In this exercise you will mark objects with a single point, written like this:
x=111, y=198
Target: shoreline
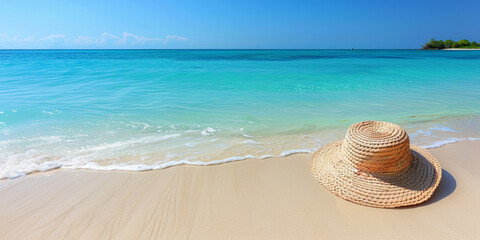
x=132, y=168
x=427, y=134
x=275, y=198
x=460, y=49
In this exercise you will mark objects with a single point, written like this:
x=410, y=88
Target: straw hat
x=375, y=165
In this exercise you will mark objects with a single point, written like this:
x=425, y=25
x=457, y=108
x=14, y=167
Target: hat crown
x=377, y=147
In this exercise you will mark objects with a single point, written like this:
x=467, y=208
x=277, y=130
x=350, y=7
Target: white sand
x=461, y=49
x=254, y=199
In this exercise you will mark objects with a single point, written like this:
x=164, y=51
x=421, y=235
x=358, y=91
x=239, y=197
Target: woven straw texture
x=375, y=165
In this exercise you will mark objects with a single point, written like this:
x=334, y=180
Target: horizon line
x=2, y=49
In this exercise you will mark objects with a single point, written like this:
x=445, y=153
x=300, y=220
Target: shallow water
x=149, y=109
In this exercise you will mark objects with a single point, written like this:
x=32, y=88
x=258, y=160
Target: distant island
x=450, y=44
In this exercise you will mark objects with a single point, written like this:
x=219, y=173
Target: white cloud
x=53, y=37
x=107, y=36
x=134, y=39
x=126, y=36
x=3, y=37
x=170, y=38
x=29, y=39
x=126, y=40
x=86, y=40
x=7, y=38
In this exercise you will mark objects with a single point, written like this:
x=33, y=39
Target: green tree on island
x=434, y=44
x=450, y=44
x=440, y=44
x=463, y=43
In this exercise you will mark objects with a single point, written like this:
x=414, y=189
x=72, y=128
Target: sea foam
x=448, y=141
x=32, y=167
x=28, y=165
x=158, y=165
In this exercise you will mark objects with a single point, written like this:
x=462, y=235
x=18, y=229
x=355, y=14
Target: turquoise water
x=149, y=109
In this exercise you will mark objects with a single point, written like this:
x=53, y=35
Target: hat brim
x=411, y=186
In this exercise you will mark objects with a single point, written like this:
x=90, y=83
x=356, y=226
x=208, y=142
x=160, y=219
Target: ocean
x=138, y=110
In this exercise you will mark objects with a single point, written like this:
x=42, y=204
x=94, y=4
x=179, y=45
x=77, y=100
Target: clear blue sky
x=234, y=24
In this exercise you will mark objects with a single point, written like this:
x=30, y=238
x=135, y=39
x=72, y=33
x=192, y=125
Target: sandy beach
x=460, y=49
x=274, y=198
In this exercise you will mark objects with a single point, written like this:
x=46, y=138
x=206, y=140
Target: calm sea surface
x=150, y=109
